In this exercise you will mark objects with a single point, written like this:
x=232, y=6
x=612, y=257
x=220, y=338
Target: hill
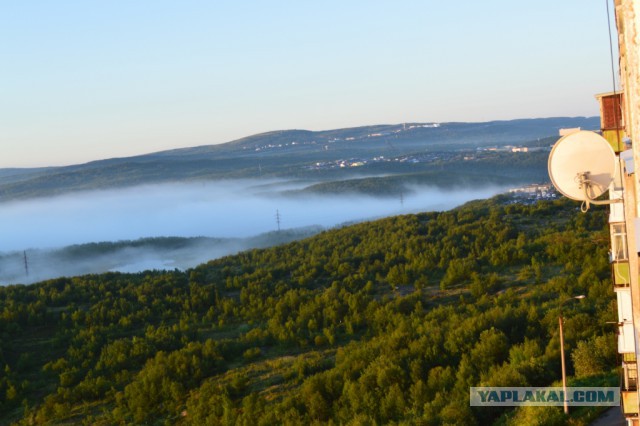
x=377, y=323
x=132, y=256
x=299, y=154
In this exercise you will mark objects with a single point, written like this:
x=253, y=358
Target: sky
x=86, y=80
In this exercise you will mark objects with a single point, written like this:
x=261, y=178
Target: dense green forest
x=386, y=322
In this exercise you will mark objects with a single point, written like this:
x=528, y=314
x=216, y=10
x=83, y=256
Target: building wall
x=628, y=25
x=628, y=22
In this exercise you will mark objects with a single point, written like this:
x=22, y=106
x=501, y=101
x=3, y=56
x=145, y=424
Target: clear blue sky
x=85, y=80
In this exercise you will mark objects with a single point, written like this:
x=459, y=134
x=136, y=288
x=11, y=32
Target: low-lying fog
x=223, y=209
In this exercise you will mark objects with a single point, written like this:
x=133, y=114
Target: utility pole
x=564, y=370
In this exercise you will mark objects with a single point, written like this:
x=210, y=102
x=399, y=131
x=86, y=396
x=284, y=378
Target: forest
x=384, y=322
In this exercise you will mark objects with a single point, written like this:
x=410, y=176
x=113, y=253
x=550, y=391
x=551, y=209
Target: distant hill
x=132, y=256
x=288, y=154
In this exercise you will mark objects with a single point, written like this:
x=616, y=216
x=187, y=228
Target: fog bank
x=223, y=209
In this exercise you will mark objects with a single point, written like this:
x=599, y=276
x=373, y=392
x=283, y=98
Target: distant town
x=401, y=128
x=358, y=162
x=530, y=194
x=424, y=157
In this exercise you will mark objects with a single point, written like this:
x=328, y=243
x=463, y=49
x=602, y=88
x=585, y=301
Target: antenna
x=582, y=166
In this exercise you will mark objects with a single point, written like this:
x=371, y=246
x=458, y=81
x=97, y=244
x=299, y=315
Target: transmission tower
x=278, y=219
x=26, y=263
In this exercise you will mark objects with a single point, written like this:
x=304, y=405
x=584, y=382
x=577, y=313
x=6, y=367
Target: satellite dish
x=582, y=165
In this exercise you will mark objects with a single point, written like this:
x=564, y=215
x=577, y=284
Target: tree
x=594, y=356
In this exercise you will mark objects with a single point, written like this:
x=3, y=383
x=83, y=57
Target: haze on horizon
x=90, y=80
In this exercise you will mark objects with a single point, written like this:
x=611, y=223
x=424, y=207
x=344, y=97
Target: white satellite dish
x=582, y=165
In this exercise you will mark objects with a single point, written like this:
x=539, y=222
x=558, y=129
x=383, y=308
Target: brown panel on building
x=611, y=114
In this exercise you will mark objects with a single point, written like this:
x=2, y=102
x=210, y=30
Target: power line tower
x=26, y=263
x=278, y=219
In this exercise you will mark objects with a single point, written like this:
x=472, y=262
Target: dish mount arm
x=585, y=183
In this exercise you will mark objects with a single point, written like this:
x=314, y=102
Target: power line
x=613, y=72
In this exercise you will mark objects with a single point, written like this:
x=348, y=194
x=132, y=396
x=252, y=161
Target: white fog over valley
x=230, y=210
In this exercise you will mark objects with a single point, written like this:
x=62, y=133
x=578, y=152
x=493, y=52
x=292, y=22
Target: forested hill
x=387, y=322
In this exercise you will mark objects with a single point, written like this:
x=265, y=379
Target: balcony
x=629, y=380
x=620, y=275
x=629, y=401
x=619, y=250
